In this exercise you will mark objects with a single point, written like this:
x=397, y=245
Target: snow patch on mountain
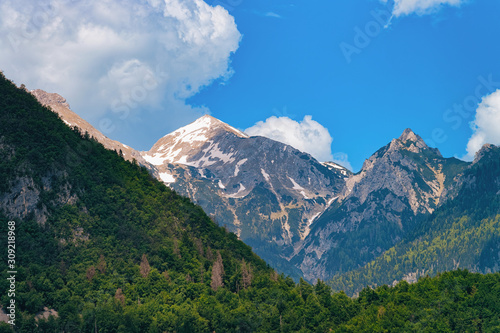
x=166, y=177
x=180, y=145
x=266, y=175
x=237, y=167
x=295, y=185
x=238, y=194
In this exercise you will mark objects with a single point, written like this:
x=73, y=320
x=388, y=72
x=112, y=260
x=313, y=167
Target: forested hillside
x=111, y=249
x=463, y=233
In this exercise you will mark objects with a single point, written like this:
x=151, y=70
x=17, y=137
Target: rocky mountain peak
x=485, y=149
x=50, y=99
x=181, y=144
x=207, y=125
x=409, y=135
x=59, y=105
x=408, y=141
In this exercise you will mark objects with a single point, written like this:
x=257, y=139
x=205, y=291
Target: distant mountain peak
x=59, y=105
x=206, y=124
x=409, y=135
x=50, y=99
x=337, y=168
x=180, y=145
x=411, y=142
x=484, y=151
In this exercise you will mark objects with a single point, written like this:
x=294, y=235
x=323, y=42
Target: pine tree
x=145, y=268
x=246, y=274
x=90, y=273
x=119, y=296
x=101, y=265
x=217, y=273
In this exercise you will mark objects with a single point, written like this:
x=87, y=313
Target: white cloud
x=420, y=7
x=486, y=125
x=118, y=58
x=307, y=135
x=272, y=14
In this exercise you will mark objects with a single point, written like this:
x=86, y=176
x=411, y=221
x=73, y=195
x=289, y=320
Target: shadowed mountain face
x=397, y=186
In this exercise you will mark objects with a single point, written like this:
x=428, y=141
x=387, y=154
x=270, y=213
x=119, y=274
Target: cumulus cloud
x=486, y=125
x=420, y=7
x=307, y=135
x=118, y=58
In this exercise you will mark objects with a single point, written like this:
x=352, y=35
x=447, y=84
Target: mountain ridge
x=463, y=232
x=295, y=221
x=397, y=186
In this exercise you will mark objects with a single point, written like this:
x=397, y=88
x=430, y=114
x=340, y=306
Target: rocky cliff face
x=397, y=185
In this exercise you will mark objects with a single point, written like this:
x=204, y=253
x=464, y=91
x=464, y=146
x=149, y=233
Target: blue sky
x=409, y=75
x=429, y=69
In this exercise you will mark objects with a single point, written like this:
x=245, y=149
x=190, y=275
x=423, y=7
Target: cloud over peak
x=486, y=125
x=307, y=135
x=114, y=57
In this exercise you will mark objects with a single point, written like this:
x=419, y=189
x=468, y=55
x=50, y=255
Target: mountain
x=102, y=246
x=97, y=236
x=463, y=232
x=397, y=186
x=265, y=191
x=305, y=218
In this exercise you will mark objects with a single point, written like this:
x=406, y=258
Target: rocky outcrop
x=23, y=195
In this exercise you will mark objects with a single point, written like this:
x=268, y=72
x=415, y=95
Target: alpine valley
x=103, y=238
x=318, y=220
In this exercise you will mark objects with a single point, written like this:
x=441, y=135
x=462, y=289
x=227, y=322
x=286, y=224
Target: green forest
x=111, y=249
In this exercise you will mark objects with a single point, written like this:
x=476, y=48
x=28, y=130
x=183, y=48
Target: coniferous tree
x=246, y=274
x=119, y=296
x=145, y=268
x=90, y=273
x=101, y=265
x=217, y=273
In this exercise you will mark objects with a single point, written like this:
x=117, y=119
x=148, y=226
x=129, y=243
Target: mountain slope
x=59, y=105
x=94, y=216
x=398, y=185
x=464, y=232
x=267, y=192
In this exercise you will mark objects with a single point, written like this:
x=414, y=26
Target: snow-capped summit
x=265, y=191
x=180, y=145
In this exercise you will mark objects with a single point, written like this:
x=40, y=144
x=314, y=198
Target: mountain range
x=304, y=217
x=101, y=245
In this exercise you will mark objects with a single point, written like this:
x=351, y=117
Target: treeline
x=457, y=301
